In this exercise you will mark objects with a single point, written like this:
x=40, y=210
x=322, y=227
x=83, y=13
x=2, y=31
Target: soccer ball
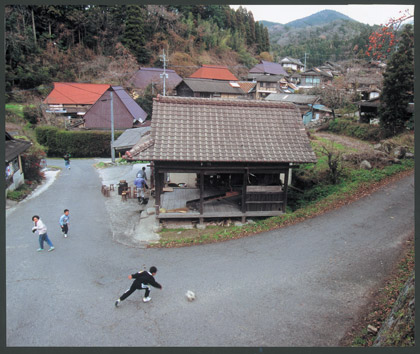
x=190, y=295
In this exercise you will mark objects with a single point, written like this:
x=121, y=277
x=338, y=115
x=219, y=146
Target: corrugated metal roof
x=220, y=130
x=130, y=137
x=216, y=86
x=294, y=98
x=214, y=72
x=145, y=76
x=14, y=147
x=135, y=110
x=75, y=93
x=267, y=67
x=320, y=107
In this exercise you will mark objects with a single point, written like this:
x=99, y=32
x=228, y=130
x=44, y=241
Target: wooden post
x=201, y=192
x=158, y=189
x=152, y=175
x=286, y=183
x=245, y=182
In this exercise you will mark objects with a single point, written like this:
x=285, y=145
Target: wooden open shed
x=241, y=151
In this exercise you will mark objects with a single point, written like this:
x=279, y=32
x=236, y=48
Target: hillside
x=101, y=44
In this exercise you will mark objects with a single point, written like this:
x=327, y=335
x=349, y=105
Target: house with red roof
x=214, y=72
x=73, y=99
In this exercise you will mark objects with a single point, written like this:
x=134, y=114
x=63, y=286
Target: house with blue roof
x=270, y=78
x=126, y=112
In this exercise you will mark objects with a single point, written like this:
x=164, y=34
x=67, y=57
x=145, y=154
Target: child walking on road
x=67, y=160
x=40, y=227
x=142, y=280
x=64, y=222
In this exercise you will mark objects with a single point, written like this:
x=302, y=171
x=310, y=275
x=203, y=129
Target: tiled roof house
x=315, y=77
x=191, y=87
x=224, y=137
x=294, y=64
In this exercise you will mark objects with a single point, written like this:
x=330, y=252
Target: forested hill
x=326, y=35
x=106, y=43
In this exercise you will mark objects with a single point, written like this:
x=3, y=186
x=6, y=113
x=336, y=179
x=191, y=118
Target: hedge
x=357, y=130
x=77, y=143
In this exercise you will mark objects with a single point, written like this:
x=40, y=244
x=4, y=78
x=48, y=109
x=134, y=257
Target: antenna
x=164, y=75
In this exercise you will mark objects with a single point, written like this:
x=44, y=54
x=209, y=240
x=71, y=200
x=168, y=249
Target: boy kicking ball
x=142, y=281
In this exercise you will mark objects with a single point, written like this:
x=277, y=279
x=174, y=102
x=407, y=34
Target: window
x=15, y=165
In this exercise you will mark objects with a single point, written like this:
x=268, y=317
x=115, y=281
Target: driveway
x=298, y=286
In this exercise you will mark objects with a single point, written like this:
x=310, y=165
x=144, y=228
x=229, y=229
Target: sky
x=368, y=14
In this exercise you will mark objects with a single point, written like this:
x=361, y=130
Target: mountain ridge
x=319, y=18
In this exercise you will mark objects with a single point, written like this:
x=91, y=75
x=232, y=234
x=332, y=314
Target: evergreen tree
x=133, y=37
x=398, y=85
x=266, y=40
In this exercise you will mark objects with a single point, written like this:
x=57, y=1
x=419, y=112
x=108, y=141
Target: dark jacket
x=144, y=277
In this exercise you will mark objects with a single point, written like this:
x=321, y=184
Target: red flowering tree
x=384, y=39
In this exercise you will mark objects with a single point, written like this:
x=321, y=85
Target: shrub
x=76, y=143
x=31, y=114
x=357, y=130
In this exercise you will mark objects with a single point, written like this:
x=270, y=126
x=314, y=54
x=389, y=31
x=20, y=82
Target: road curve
x=297, y=286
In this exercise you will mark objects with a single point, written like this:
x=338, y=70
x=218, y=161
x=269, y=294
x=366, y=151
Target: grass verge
x=378, y=310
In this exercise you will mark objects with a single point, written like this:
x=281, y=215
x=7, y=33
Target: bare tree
x=334, y=160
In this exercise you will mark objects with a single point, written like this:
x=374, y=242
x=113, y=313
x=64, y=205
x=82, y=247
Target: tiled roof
x=145, y=76
x=316, y=71
x=221, y=130
x=267, y=67
x=247, y=86
x=143, y=150
x=217, y=86
x=265, y=78
x=75, y=93
x=291, y=60
x=215, y=72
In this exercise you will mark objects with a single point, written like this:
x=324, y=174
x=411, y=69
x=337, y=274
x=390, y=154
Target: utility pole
x=164, y=75
x=304, y=68
x=112, y=129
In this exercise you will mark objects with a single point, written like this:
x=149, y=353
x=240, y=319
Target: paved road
x=298, y=286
